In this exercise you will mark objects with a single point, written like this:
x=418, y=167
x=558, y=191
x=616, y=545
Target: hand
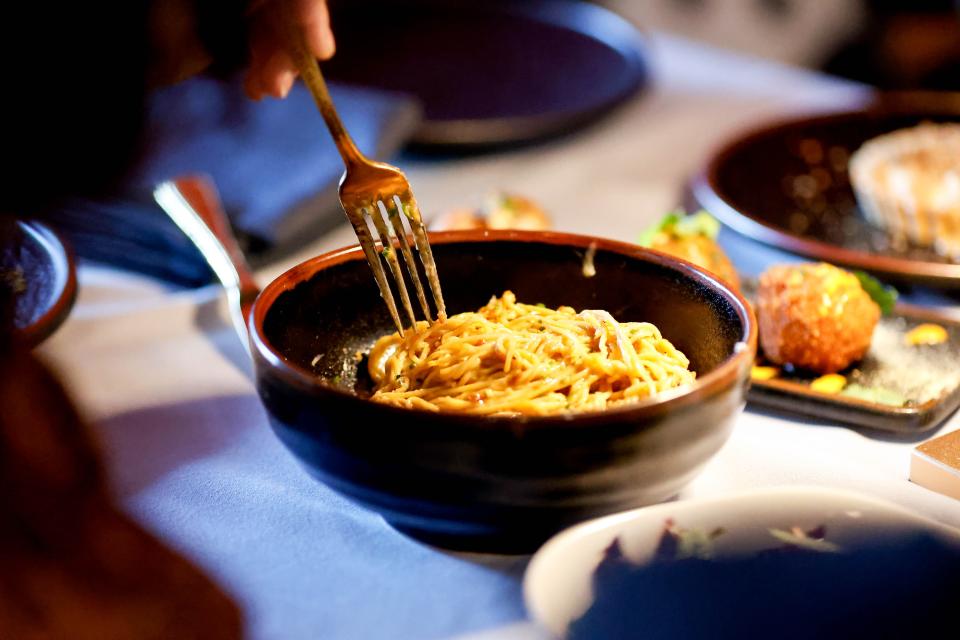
x=178, y=50
x=271, y=70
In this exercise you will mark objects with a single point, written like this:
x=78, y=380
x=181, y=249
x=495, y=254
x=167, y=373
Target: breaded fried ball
x=500, y=211
x=814, y=316
x=702, y=251
x=693, y=238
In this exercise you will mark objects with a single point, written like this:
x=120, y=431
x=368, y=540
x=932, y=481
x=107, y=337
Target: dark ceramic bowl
x=498, y=484
x=37, y=278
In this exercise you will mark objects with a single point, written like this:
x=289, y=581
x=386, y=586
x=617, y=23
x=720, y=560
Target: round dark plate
x=39, y=273
x=786, y=185
x=491, y=73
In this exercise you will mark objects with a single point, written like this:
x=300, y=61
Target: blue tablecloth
x=301, y=561
x=166, y=386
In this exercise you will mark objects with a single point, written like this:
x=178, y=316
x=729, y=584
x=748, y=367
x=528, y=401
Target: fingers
x=314, y=18
x=271, y=70
x=278, y=75
x=260, y=53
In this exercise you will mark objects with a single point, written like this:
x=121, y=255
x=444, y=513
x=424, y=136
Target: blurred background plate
x=38, y=274
x=785, y=184
x=493, y=72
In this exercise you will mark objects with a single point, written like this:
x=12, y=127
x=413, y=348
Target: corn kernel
x=763, y=373
x=830, y=383
x=926, y=334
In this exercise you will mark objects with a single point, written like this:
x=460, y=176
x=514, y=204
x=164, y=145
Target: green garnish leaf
x=679, y=224
x=876, y=395
x=695, y=543
x=802, y=540
x=666, y=223
x=385, y=252
x=699, y=224
x=884, y=295
x=14, y=280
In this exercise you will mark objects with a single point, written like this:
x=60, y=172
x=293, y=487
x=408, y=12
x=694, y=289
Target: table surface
x=166, y=385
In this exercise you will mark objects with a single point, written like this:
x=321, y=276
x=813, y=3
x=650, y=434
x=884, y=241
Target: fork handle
x=309, y=69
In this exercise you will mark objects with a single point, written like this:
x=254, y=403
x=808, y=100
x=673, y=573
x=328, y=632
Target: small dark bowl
x=499, y=484
x=37, y=279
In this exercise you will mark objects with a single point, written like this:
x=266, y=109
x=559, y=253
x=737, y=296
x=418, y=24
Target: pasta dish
x=510, y=358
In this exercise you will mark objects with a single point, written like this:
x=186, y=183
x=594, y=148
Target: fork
x=377, y=192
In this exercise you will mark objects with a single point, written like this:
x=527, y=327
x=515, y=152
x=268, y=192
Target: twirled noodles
x=510, y=358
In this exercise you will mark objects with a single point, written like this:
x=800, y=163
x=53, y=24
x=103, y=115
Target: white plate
x=558, y=582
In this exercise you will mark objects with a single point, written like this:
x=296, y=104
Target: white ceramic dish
x=558, y=585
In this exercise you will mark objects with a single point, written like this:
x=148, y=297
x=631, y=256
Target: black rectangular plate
x=928, y=377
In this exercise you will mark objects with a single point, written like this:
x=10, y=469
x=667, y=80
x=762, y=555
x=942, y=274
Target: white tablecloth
x=166, y=385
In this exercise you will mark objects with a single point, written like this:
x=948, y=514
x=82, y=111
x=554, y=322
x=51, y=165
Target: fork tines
x=387, y=215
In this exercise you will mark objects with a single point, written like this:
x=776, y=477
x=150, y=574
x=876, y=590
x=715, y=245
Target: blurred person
x=904, y=45
x=77, y=77
x=891, y=44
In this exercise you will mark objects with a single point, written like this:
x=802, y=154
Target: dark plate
x=39, y=273
x=785, y=184
x=492, y=72
x=488, y=483
x=900, y=388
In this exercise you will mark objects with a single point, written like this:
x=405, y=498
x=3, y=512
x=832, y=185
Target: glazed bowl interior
x=326, y=315
x=498, y=483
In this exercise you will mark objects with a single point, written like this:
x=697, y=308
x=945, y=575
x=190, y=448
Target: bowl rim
x=60, y=257
x=736, y=365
